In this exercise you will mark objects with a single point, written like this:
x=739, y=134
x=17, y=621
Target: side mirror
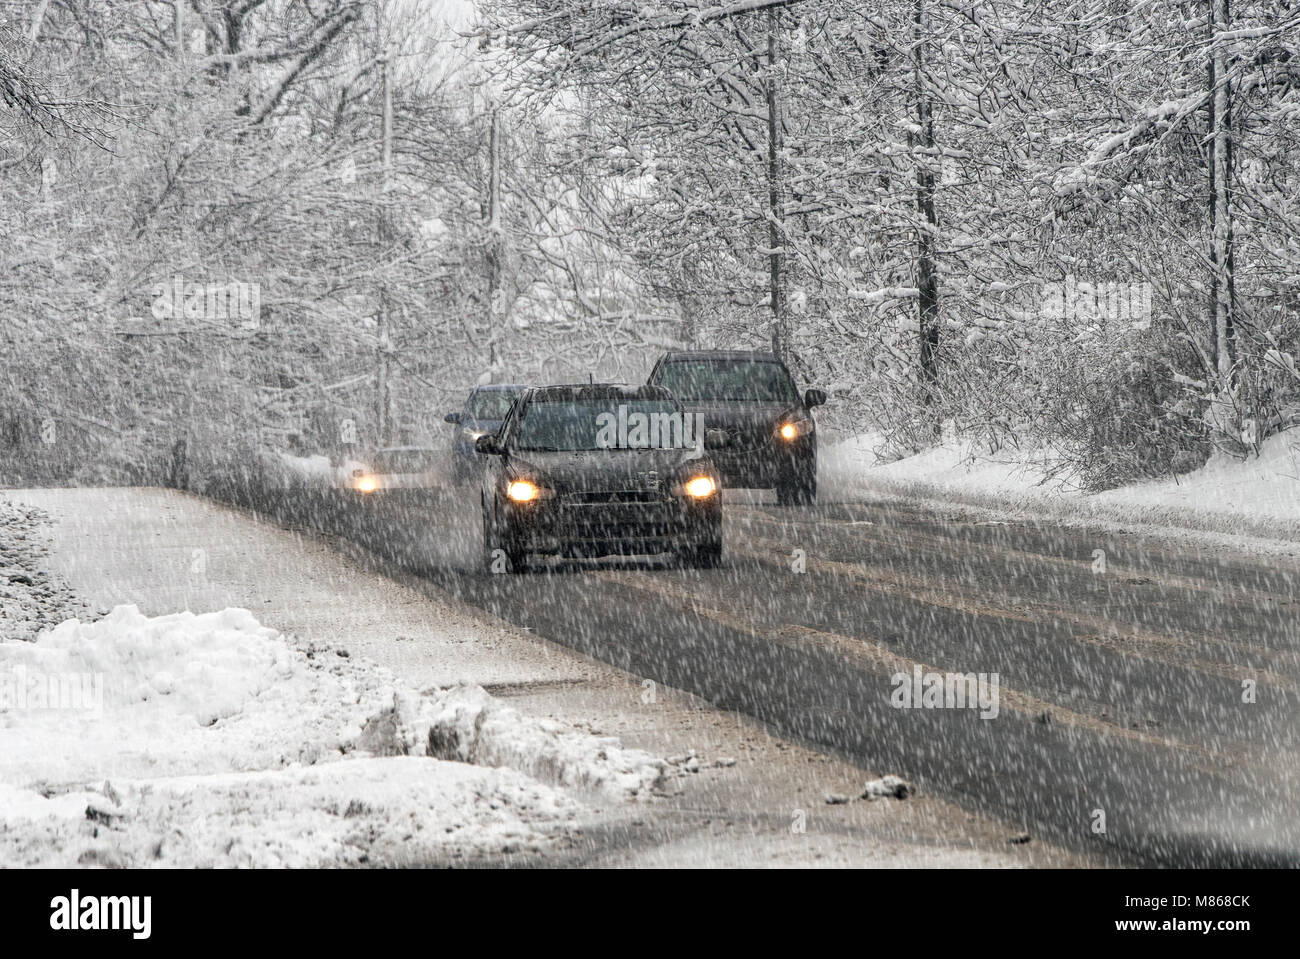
x=489, y=444
x=716, y=439
x=452, y=418
x=814, y=398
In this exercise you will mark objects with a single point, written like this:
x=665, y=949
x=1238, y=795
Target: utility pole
x=385, y=333
x=495, y=249
x=775, y=213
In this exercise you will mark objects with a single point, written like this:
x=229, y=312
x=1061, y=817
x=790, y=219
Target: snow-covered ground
x=30, y=599
x=1258, y=496
x=210, y=740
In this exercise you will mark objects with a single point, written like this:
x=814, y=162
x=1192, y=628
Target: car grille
x=744, y=441
x=612, y=497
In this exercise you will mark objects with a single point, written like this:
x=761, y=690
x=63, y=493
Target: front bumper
x=613, y=524
x=765, y=462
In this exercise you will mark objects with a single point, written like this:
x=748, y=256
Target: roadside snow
x=1259, y=496
x=1267, y=486
x=30, y=600
x=855, y=463
x=467, y=724
x=190, y=740
x=385, y=812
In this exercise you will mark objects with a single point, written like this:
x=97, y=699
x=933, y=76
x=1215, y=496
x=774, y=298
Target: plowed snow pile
x=210, y=740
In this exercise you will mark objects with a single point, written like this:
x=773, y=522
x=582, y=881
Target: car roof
x=761, y=355
x=598, y=391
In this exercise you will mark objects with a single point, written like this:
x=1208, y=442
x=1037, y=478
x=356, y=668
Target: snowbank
x=1267, y=486
x=855, y=463
x=468, y=725
x=212, y=740
x=1259, y=496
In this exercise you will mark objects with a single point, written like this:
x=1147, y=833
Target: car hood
x=615, y=469
x=740, y=417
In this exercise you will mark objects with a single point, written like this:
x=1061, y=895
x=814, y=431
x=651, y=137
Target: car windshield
x=490, y=404
x=728, y=380
x=606, y=423
x=404, y=461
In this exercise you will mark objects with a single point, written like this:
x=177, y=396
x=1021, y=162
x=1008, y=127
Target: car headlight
x=522, y=491
x=367, y=484
x=700, y=487
x=793, y=429
x=473, y=435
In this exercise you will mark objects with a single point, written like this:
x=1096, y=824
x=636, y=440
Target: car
x=752, y=397
x=398, y=467
x=596, y=470
x=484, y=410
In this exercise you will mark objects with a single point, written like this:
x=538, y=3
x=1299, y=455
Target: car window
x=606, y=423
x=404, y=461
x=728, y=380
x=490, y=404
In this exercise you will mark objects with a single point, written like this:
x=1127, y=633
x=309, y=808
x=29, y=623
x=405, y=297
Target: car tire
x=800, y=489
x=493, y=542
x=707, y=555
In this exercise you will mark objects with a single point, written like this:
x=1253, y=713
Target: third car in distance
x=485, y=408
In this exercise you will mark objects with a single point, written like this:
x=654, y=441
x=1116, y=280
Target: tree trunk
x=1226, y=416
x=384, y=399
x=775, y=212
x=927, y=280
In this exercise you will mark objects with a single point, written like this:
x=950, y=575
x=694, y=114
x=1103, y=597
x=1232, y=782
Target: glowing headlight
x=522, y=491
x=473, y=435
x=793, y=429
x=700, y=487
x=367, y=484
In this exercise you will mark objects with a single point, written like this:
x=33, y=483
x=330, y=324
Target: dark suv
x=597, y=470
x=772, y=436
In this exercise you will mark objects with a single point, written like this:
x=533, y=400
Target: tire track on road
x=941, y=545
x=873, y=656
x=988, y=602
